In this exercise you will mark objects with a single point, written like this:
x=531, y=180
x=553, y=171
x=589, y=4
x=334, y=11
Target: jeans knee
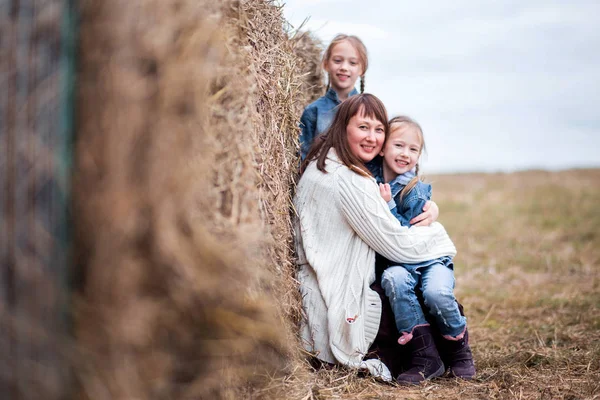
x=439, y=298
x=397, y=279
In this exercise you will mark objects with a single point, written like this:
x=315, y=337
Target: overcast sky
x=497, y=86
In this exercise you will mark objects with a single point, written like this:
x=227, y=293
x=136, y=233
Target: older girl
x=345, y=60
x=341, y=223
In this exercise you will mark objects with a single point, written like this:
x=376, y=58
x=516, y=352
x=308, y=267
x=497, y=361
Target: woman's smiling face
x=365, y=136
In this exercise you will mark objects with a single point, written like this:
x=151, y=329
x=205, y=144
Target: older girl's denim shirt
x=317, y=117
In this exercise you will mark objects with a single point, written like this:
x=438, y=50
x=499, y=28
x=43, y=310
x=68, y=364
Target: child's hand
x=386, y=192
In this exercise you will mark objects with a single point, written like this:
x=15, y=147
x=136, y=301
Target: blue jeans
x=435, y=280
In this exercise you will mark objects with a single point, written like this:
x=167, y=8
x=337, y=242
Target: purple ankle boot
x=425, y=362
x=457, y=356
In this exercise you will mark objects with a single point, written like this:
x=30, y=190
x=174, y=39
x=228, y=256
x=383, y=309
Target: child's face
x=401, y=152
x=344, y=67
x=365, y=136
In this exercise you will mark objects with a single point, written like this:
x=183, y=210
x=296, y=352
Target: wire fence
x=36, y=108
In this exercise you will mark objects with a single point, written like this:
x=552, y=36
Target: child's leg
x=399, y=285
x=423, y=359
x=437, y=284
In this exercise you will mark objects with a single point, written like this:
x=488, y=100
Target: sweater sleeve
x=368, y=214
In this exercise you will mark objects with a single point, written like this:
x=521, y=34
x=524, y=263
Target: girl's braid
x=362, y=84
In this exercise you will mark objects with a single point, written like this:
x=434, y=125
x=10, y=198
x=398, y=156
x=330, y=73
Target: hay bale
x=186, y=155
x=309, y=51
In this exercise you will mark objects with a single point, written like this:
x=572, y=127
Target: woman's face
x=365, y=136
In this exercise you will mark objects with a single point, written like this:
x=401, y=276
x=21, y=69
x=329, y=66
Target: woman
x=341, y=223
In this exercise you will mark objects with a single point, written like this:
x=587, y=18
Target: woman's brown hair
x=336, y=136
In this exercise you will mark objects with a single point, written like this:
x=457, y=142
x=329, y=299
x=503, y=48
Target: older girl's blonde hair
x=402, y=122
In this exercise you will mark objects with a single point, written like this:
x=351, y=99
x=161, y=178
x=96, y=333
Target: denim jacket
x=412, y=204
x=317, y=117
x=405, y=210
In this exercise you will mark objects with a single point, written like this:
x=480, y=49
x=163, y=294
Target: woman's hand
x=428, y=216
x=386, y=192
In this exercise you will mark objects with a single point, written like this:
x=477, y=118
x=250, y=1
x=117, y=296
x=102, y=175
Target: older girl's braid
x=362, y=84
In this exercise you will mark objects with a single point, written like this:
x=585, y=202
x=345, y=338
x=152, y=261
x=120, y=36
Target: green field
x=528, y=274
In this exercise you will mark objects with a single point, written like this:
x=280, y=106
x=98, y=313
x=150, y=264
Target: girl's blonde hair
x=360, y=49
x=403, y=122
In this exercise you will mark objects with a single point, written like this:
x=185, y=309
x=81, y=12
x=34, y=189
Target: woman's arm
x=415, y=202
x=368, y=214
x=429, y=215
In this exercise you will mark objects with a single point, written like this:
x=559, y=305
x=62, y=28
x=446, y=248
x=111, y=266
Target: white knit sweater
x=342, y=220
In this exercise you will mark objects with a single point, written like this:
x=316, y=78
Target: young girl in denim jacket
x=345, y=60
x=406, y=196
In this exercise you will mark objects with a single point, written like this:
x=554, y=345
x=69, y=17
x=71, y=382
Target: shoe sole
x=436, y=374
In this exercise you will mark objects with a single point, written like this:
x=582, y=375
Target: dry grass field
x=528, y=274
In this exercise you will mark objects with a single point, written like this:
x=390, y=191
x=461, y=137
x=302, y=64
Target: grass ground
x=528, y=274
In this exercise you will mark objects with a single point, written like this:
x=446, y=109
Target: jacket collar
x=332, y=95
x=399, y=182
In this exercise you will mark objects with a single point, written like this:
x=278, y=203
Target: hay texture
x=308, y=48
x=186, y=156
